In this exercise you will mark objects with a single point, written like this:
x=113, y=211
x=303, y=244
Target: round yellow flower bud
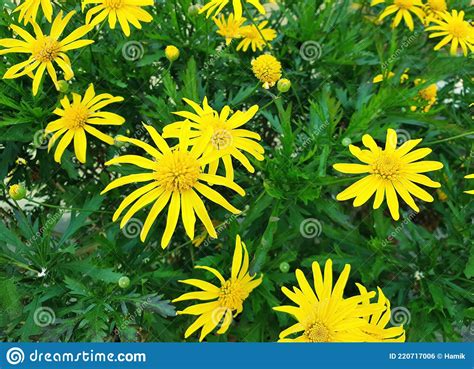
x=267, y=69
x=284, y=85
x=17, y=191
x=172, y=53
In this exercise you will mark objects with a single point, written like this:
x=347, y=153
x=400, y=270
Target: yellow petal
x=141, y=177
x=216, y=197
x=202, y=214
x=237, y=258
x=392, y=201
x=187, y=213
x=80, y=145
x=132, y=197
x=155, y=210
x=137, y=160
x=424, y=166
x=63, y=143
x=352, y=168
x=172, y=219
x=366, y=193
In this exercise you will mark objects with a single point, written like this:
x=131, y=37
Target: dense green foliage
x=424, y=262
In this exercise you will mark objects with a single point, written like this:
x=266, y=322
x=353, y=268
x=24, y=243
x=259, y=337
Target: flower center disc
x=46, y=49
x=428, y=93
x=221, y=139
x=113, y=4
x=76, y=116
x=317, y=332
x=178, y=171
x=251, y=33
x=232, y=295
x=404, y=4
x=459, y=29
x=437, y=5
x=387, y=167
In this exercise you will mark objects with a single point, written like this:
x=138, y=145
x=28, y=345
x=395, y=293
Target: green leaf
x=76, y=287
x=190, y=89
x=156, y=304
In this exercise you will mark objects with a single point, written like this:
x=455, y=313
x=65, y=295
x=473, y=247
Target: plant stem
x=66, y=208
x=271, y=102
x=256, y=26
x=451, y=138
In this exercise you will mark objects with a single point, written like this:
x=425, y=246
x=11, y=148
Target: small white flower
x=419, y=275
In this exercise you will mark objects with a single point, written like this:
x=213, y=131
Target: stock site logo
x=15, y=356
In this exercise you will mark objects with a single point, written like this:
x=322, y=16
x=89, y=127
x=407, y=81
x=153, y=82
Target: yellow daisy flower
x=404, y=8
x=380, y=77
x=175, y=174
x=44, y=50
x=389, y=171
x=203, y=235
x=433, y=10
x=29, y=10
x=224, y=302
x=216, y=6
x=322, y=313
x=426, y=96
x=221, y=134
x=267, y=69
x=442, y=196
x=470, y=176
x=78, y=117
x=200, y=238
x=229, y=28
x=252, y=37
x=453, y=28
x=378, y=321
x=125, y=11
x=404, y=77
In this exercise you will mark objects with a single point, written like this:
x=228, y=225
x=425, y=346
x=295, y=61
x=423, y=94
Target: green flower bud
x=124, y=282
x=193, y=10
x=284, y=85
x=17, y=191
x=284, y=267
x=63, y=86
x=346, y=141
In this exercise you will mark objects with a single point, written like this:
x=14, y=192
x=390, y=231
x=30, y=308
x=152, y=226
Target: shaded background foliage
x=69, y=256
